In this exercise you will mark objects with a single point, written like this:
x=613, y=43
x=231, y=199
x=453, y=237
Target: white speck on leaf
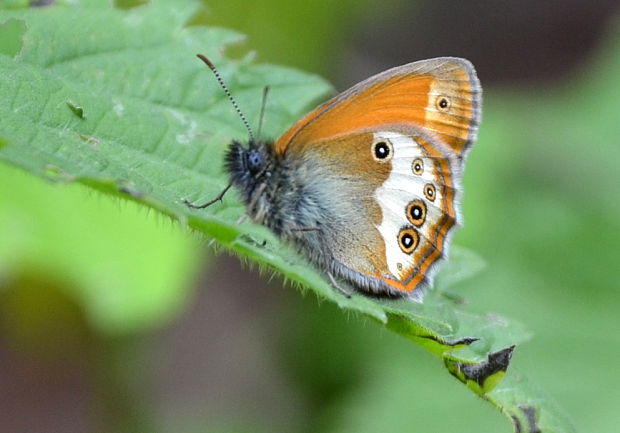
x=182, y=118
x=188, y=135
x=119, y=109
x=184, y=121
x=134, y=19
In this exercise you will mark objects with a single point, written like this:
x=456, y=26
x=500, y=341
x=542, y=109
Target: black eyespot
x=255, y=161
x=429, y=191
x=417, y=166
x=443, y=103
x=382, y=151
x=416, y=212
x=408, y=240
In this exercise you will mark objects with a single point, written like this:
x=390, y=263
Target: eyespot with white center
x=417, y=166
x=408, y=240
x=416, y=212
x=382, y=150
x=443, y=103
x=429, y=191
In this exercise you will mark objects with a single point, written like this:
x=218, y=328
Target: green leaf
x=130, y=111
x=127, y=272
x=11, y=33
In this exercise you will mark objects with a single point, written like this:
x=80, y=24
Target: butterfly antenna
x=262, y=109
x=218, y=77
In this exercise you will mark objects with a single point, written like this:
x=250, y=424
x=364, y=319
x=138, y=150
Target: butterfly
x=367, y=184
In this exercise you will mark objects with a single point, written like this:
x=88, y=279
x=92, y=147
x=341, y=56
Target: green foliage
x=326, y=25
x=11, y=33
x=129, y=111
x=127, y=272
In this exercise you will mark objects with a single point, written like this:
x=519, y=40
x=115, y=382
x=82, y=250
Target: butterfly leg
x=337, y=286
x=256, y=195
x=209, y=203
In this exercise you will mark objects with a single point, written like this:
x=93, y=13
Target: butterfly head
x=248, y=165
x=254, y=160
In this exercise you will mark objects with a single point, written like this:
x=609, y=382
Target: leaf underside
x=130, y=111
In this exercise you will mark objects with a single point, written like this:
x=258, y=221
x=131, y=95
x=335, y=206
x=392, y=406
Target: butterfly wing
x=393, y=214
x=442, y=96
x=418, y=203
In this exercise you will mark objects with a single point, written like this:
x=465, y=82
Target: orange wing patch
x=394, y=101
x=440, y=96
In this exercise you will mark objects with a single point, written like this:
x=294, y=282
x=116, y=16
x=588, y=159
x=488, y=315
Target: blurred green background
x=113, y=318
